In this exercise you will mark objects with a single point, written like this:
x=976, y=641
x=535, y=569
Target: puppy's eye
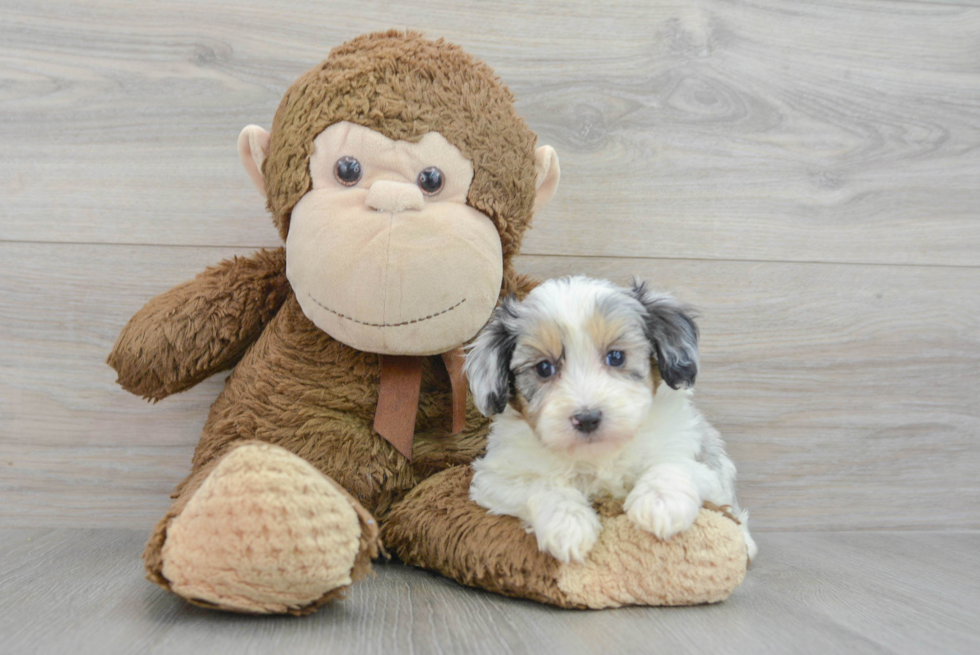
x=544, y=369
x=615, y=358
x=431, y=181
x=347, y=170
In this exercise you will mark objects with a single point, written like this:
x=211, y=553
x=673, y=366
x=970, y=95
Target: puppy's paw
x=664, y=505
x=567, y=530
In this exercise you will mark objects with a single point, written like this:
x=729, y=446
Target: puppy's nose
x=388, y=196
x=587, y=421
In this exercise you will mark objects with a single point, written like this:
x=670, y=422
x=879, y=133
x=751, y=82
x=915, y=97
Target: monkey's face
x=383, y=253
x=402, y=180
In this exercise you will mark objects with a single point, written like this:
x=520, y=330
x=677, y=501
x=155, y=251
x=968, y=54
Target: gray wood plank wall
x=808, y=174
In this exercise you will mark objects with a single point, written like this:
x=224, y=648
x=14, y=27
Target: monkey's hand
x=200, y=327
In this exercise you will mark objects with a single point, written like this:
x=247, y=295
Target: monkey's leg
x=260, y=530
x=437, y=526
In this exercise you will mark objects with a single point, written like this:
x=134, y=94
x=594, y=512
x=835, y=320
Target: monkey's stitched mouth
x=383, y=325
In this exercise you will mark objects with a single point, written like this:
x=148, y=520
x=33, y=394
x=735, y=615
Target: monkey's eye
x=544, y=369
x=615, y=358
x=347, y=170
x=431, y=181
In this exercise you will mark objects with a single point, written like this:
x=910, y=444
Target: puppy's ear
x=671, y=329
x=487, y=364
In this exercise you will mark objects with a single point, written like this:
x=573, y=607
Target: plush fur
x=293, y=385
x=201, y=327
x=307, y=401
x=438, y=527
x=404, y=85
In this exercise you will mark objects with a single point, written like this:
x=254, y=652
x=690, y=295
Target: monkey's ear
x=253, y=148
x=548, y=172
x=488, y=358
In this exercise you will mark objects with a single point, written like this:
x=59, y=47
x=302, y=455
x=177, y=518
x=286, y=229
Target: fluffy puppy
x=591, y=385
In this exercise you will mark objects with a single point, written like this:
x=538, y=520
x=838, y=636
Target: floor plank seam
x=526, y=254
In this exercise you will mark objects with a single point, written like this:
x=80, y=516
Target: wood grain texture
x=82, y=591
x=833, y=130
x=847, y=393
x=805, y=173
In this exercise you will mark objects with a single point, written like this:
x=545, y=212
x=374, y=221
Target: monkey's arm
x=200, y=327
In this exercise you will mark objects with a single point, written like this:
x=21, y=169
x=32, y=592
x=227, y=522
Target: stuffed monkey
x=401, y=180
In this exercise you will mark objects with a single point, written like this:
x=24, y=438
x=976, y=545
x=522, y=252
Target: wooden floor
x=806, y=173
x=82, y=591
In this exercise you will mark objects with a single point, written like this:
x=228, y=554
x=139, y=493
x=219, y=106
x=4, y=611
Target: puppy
x=590, y=383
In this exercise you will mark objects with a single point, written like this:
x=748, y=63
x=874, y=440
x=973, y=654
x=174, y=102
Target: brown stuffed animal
x=401, y=180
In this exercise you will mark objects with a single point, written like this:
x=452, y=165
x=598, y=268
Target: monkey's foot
x=265, y=532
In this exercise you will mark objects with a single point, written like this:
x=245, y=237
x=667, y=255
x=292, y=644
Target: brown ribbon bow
x=398, y=397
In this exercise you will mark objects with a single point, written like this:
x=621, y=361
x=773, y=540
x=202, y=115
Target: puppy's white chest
x=599, y=481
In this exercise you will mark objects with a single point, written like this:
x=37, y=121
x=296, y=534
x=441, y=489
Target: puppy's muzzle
x=588, y=421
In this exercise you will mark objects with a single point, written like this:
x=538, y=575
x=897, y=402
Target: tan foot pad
x=437, y=526
x=628, y=566
x=266, y=533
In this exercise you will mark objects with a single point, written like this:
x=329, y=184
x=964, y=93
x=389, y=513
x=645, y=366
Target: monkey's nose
x=587, y=421
x=388, y=196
